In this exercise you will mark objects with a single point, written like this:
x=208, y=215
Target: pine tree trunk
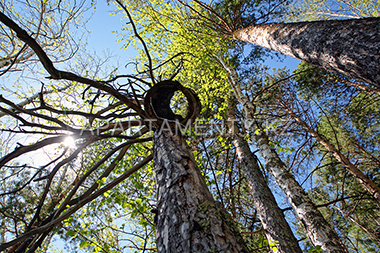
x=188, y=219
x=317, y=228
x=350, y=47
x=271, y=216
x=367, y=183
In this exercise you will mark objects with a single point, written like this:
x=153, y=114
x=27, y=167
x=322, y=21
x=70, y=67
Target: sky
x=102, y=38
x=102, y=24
x=102, y=27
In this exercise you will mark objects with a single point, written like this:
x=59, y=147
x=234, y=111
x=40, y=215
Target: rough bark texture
x=350, y=47
x=188, y=219
x=317, y=228
x=271, y=216
x=367, y=183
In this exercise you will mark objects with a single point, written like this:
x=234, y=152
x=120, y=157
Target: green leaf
x=84, y=244
x=71, y=233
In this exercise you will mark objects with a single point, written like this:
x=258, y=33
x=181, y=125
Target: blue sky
x=102, y=38
x=102, y=25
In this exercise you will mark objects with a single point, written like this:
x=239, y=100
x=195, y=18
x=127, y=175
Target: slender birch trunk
x=350, y=47
x=317, y=228
x=271, y=216
x=188, y=219
x=367, y=183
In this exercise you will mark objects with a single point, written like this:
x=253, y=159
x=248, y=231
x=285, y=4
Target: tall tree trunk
x=188, y=219
x=350, y=47
x=317, y=228
x=271, y=216
x=367, y=183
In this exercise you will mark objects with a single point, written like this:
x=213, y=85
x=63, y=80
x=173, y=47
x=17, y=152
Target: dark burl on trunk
x=188, y=219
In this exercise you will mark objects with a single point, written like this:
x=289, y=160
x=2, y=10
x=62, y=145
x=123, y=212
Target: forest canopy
x=266, y=160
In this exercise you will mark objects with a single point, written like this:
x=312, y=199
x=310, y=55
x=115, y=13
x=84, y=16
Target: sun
x=69, y=142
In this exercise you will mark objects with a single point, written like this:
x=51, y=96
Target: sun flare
x=69, y=142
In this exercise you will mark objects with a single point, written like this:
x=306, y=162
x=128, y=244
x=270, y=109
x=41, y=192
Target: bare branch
x=141, y=40
x=57, y=74
x=73, y=209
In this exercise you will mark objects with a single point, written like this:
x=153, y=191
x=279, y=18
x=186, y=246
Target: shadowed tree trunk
x=350, y=47
x=271, y=216
x=188, y=219
x=317, y=228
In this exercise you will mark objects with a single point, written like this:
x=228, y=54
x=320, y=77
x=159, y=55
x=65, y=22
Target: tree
x=348, y=129
x=263, y=199
x=367, y=183
x=271, y=216
x=49, y=21
x=188, y=218
x=350, y=132
x=207, y=220
x=299, y=40
x=191, y=173
x=317, y=229
x=271, y=40
x=307, y=10
x=296, y=195
x=334, y=48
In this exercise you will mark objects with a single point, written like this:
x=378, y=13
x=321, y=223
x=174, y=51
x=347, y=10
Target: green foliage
x=183, y=46
x=168, y=36
x=310, y=79
x=347, y=118
x=239, y=13
x=317, y=249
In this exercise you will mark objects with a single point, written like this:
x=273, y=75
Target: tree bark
x=271, y=216
x=350, y=47
x=367, y=183
x=188, y=219
x=317, y=228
